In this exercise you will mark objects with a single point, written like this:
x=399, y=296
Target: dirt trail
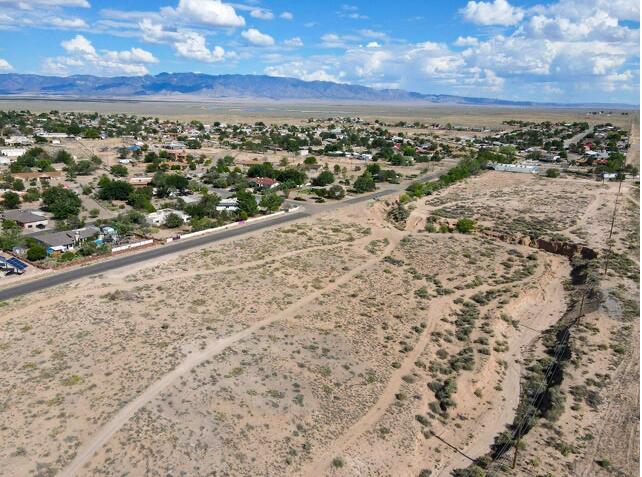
x=625, y=387
x=387, y=398
x=538, y=309
x=88, y=286
x=102, y=436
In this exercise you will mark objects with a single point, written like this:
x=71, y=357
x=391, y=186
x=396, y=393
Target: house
x=18, y=141
x=228, y=205
x=38, y=175
x=159, y=217
x=527, y=169
x=263, y=182
x=65, y=240
x=140, y=181
x=26, y=219
x=13, y=153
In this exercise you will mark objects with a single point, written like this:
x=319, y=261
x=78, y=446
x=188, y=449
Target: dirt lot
x=287, y=351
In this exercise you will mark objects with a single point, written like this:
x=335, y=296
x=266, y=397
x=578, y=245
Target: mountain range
x=177, y=86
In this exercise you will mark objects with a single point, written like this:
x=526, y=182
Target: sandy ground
x=298, y=113
x=314, y=348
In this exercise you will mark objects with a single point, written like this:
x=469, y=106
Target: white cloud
x=466, y=41
x=29, y=4
x=497, y=12
x=206, y=12
x=373, y=44
x=287, y=16
x=620, y=9
x=135, y=55
x=83, y=57
x=67, y=22
x=192, y=45
x=79, y=44
x=367, y=33
x=4, y=65
x=300, y=70
x=187, y=44
x=262, y=14
x=256, y=38
x=295, y=41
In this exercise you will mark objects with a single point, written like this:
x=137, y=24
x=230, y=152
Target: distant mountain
x=203, y=87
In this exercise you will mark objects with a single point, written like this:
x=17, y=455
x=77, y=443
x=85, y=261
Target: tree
x=247, y=203
x=62, y=203
x=553, y=172
x=10, y=200
x=173, y=220
x=323, y=179
x=36, y=252
x=10, y=235
x=398, y=213
x=465, y=226
x=271, y=201
x=364, y=183
x=18, y=185
x=32, y=195
x=114, y=190
x=310, y=161
x=141, y=199
x=119, y=170
x=335, y=192
x=63, y=157
x=291, y=176
x=262, y=170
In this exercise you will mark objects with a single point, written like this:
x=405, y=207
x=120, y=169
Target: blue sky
x=563, y=50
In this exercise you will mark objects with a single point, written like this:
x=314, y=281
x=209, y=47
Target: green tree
x=114, y=190
x=173, y=221
x=335, y=192
x=323, y=179
x=247, y=203
x=32, y=195
x=61, y=202
x=10, y=235
x=36, y=252
x=271, y=201
x=553, y=172
x=140, y=199
x=119, y=170
x=364, y=183
x=10, y=200
x=18, y=185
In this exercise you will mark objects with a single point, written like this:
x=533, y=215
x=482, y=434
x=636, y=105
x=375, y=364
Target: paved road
x=58, y=278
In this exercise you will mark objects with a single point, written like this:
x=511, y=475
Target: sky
x=561, y=51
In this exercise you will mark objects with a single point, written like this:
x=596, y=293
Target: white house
x=527, y=169
x=159, y=217
x=12, y=152
x=230, y=204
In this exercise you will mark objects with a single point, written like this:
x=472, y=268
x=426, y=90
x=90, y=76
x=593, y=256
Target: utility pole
x=516, y=449
x=617, y=199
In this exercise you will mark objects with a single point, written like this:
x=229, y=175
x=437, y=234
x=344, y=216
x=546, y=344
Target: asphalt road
x=58, y=278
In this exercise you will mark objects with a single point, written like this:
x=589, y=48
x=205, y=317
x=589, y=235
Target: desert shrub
x=465, y=226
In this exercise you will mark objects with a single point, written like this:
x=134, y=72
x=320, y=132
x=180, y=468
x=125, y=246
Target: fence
x=131, y=245
x=225, y=227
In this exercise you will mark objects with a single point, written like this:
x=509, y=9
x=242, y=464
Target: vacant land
x=298, y=113
x=338, y=345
